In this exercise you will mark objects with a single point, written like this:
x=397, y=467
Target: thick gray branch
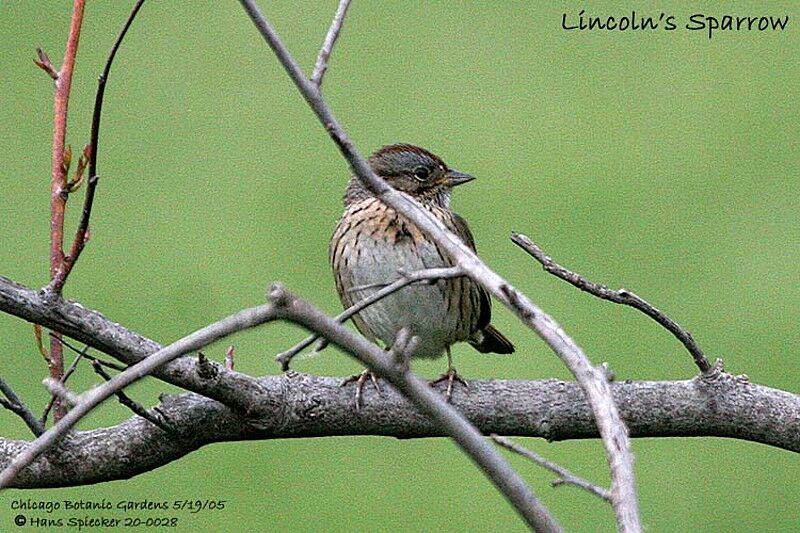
x=86, y=402
x=92, y=328
x=719, y=405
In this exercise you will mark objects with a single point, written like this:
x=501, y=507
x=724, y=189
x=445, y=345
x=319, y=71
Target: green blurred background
x=661, y=161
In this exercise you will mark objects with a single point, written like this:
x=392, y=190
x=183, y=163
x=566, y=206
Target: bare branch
x=405, y=279
x=289, y=308
x=592, y=380
x=61, y=154
x=330, y=40
x=313, y=406
x=238, y=391
x=126, y=400
x=620, y=296
x=89, y=400
x=564, y=475
x=18, y=407
x=59, y=165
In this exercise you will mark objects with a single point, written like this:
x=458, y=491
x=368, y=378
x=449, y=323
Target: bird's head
x=413, y=170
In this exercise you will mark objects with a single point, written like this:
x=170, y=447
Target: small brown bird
x=372, y=244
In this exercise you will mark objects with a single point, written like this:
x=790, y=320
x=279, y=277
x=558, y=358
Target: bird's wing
x=461, y=229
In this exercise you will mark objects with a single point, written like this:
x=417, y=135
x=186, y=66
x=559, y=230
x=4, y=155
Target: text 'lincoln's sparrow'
x=372, y=243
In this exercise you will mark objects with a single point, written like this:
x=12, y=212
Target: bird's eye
x=421, y=173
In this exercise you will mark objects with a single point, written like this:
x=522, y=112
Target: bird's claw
x=360, y=380
x=451, y=377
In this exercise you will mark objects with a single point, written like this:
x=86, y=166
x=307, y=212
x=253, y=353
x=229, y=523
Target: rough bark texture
x=305, y=406
x=92, y=328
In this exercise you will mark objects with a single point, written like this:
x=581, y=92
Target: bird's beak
x=454, y=177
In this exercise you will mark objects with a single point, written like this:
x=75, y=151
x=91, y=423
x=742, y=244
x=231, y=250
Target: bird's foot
x=360, y=380
x=451, y=377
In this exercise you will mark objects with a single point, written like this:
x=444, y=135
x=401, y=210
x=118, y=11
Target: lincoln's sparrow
x=372, y=243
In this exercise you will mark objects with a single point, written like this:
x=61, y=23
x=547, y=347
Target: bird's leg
x=451, y=376
x=359, y=380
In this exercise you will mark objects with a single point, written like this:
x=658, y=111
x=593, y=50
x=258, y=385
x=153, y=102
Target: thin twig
x=418, y=392
x=620, y=296
x=64, y=379
x=75, y=362
x=82, y=233
x=107, y=364
x=229, y=357
x=37, y=333
x=89, y=400
x=18, y=407
x=101, y=88
x=330, y=39
x=128, y=402
x=44, y=63
x=565, y=477
x=592, y=380
x=404, y=280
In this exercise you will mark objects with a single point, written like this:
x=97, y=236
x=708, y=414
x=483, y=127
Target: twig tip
x=277, y=294
x=43, y=62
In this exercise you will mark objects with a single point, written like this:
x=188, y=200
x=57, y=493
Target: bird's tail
x=489, y=340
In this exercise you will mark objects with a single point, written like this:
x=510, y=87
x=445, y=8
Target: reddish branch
x=60, y=166
x=59, y=191
x=60, y=263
